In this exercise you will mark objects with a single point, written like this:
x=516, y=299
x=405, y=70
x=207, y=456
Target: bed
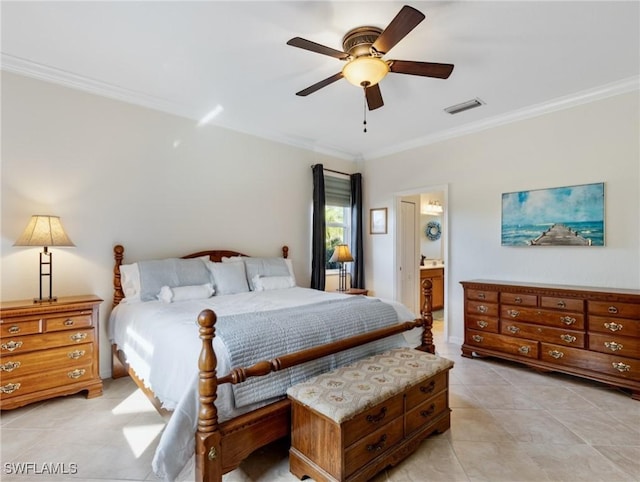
x=230, y=416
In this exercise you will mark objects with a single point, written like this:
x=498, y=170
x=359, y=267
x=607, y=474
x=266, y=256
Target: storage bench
x=351, y=423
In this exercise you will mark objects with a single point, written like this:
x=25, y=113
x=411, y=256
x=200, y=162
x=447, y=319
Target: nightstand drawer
x=12, y=386
x=41, y=361
x=68, y=321
x=21, y=344
x=16, y=327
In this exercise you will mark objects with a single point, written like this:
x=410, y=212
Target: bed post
x=427, y=316
x=118, y=255
x=208, y=437
x=285, y=252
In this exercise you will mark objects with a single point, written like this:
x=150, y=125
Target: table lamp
x=342, y=255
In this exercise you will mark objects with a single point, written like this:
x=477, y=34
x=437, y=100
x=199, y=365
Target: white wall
x=596, y=142
x=158, y=184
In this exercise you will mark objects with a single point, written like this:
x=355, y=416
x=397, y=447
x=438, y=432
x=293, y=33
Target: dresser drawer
x=484, y=323
x=570, y=304
x=608, y=324
x=482, y=308
x=14, y=385
x=426, y=412
x=575, y=321
x=425, y=390
x=371, y=446
x=624, y=310
x=614, y=365
x=518, y=299
x=371, y=419
x=482, y=295
x=503, y=343
x=21, y=344
x=620, y=345
x=68, y=321
x=543, y=333
x=16, y=327
x=40, y=361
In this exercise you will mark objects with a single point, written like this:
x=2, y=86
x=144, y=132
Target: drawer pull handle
x=482, y=309
x=376, y=447
x=513, y=329
x=68, y=322
x=568, y=338
x=481, y=296
x=613, y=326
x=77, y=373
x=14, y=329
x=524, y=350
x=9, y=388
x=613, y=310
x=621, y=367
x=561, y=304
x=556, y=354
x=429, y=388
x=379, y=417
x=513, y=313
x=477, y=338
x=613, y=346
x=74, y=355
x=567, y=320
x=78, y=337
x=429, y=411
x=518, y=300
x=482, y=323
x=9, y=366
x=12, y=345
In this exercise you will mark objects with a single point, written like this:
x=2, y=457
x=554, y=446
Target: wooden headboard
x=215, y=255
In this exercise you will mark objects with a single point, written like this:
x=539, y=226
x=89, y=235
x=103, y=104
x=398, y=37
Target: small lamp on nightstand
x=44, y=231
x=342, y=255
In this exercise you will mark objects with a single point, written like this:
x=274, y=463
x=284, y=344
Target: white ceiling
x=190, y=58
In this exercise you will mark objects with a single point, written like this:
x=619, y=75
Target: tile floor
x=508, y=424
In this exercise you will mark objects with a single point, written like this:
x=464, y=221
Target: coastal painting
x=561, y=216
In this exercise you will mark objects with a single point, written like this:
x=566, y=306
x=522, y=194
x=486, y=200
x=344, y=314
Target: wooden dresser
x=48, y=349
x=436, y=276
x=589, y=332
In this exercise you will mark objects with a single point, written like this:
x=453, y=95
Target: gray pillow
x=229, y=278
x=172, y=272
x=265, y=267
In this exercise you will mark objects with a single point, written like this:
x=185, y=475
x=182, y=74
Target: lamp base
x=51, y=299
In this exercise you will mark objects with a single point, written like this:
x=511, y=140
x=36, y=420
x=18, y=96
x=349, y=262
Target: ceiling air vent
x=470, y=104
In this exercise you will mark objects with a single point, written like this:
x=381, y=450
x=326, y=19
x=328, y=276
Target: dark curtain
x=318, y=249
x=357, y=223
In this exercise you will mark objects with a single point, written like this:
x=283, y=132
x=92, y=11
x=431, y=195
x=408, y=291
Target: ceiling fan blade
x=314, y=47
x=320, y=85
x=400, y=26
x=425, y=69
x=374, y=97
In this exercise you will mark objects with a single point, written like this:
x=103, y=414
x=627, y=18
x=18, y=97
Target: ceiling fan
x=363, y=49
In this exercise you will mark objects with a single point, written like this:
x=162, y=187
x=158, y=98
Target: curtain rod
x=331, y=170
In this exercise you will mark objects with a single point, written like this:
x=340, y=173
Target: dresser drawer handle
x=613, y=310
x=77, y=373
x=482, y=309
x=379, y=445
x=613, y=326
x=621, y=367
x=429, y=388
x=561, y=304
x=556, y=354
x=524, y=350
x=513, y=313
x=568, y=338
x=429, y=411
x=12, y=345
x=477, y=338
x=78, y=337
x=9, y=366
x=68, y=322
x=481, y=296
x=74, y=355
x=379, y=417
x=482, y=323
x=9, y=388
x=613, y=346
x=513, y=329
x=14, y=329
x=567, y=320
x=517, y=300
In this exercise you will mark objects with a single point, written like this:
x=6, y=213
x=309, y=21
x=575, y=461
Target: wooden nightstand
x=356, y=291
x=48, y=349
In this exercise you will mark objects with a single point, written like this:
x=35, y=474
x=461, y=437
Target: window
x=337, y=215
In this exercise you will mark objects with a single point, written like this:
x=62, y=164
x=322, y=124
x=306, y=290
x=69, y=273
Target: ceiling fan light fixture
x=365, y=71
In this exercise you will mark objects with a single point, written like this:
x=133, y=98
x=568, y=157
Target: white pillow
x=266, y=283
x=130, y=282
x=185, y=293
x=229, y=278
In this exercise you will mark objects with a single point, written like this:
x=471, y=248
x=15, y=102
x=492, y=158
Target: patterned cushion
x=343, y=393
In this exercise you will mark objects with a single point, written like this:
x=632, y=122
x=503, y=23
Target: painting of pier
x=564, y=216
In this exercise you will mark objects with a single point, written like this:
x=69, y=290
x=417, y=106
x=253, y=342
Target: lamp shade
x=365, y=71
x=341, y=254
x=44, y=231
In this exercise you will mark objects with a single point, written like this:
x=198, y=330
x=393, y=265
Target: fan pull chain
x=365, y=111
